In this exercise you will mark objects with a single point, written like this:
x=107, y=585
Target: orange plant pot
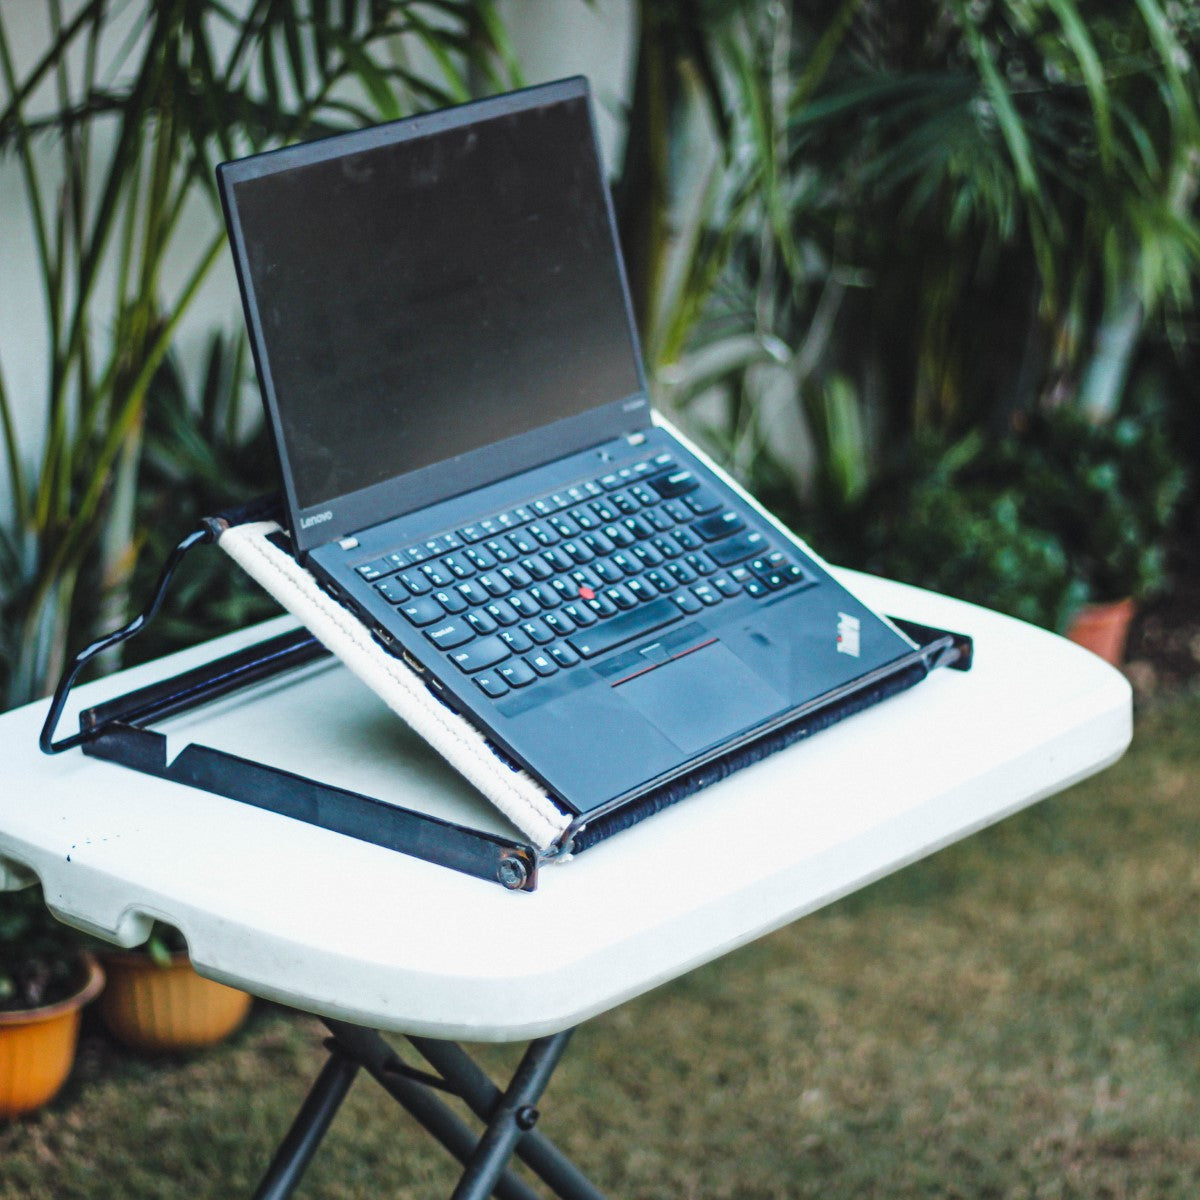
x=37, y=1048
x=167, y=1008
x=1103, y=629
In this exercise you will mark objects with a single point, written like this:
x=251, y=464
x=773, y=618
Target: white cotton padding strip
x=516, y=794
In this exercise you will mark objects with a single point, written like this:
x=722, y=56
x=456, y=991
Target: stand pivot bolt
x=513, y=873
x=526, y=1117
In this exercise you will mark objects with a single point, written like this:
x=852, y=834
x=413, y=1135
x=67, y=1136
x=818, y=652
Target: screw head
x=527, y=1117
x=513, y=873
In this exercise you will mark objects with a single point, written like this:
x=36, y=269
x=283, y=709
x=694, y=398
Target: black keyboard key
x=471, y=533
x=486, y=652
x=714, y=528
x=437, y=574
x=757, y=588
x=726, y=586
x=517, y=673
x=393, y=591
x=374, y=570
x=459, y=566
x=515, y=575
x=537, y=630
x=578, y=551
x=601, y=605
x=598, y=544
x=560, y=623
x=687, y=539
x=542, y=663
x=501, y=612
x=680, y=572
x=495, y=584
x=686, y=602
x=621, y=596
x=563, y=655
x=516, y=641
x=423, y=610
x=735, y=549
x=481, y=622
x=525, y=542
x=706, y=595
x=416, y=583
x=491, y=683
x=451, y=601
x=501, y=549
x=635, y=623
x=536, y=568
x=479, y=558
x=580, y=614
x=674, y=483
x=607, y=572
x=618, y=536
x=524, y=604
x=472, y=593
x=449, y=634
x=702, y=502
x=700, y=563
x=559, y=560
x=641, y=589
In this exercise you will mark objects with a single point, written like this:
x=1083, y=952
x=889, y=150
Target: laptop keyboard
x=541, y=588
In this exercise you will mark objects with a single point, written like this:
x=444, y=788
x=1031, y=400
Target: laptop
x=446, y=350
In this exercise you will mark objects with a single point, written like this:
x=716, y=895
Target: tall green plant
x=147, y=97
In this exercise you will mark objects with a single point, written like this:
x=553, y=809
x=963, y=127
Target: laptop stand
x=118, y=731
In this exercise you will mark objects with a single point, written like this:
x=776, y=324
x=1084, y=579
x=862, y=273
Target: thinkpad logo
x=316, y=519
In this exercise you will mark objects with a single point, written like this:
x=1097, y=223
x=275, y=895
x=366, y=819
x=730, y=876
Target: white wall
x=554, y=38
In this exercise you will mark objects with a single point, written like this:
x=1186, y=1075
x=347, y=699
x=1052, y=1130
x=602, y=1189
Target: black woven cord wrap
x=261, y=508
x=716, y=770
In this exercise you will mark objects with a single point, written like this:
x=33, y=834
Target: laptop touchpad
x=702, y=697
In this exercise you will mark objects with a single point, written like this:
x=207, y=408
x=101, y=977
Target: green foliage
x=1108, y=491
x=928, y=220
x=147, y=98
x=40, y=958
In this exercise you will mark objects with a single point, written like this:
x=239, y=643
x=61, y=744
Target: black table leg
x=482, y=1096
x=309, y=1127
x=508, y=1116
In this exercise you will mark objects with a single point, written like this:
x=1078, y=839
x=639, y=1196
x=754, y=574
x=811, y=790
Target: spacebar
x=606, y=635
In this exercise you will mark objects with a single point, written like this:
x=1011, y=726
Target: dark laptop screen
x=433, y=293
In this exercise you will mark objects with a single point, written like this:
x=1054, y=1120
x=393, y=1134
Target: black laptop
x=444, y=341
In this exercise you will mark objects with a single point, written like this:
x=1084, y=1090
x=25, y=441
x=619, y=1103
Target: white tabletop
x=346, y=929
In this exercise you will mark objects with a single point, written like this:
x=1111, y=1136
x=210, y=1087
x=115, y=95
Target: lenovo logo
x=316, y=519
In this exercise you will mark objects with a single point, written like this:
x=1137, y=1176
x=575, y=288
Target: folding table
x=373, y=940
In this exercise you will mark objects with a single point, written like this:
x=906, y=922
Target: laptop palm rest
x=700, y=697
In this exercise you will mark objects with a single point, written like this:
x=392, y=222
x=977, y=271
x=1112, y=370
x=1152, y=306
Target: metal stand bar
x=310, y=1126
x=482, y=1097
x=512, y=1118
x=414, y=1096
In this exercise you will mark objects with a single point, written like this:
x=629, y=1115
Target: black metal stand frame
x=509, y=1116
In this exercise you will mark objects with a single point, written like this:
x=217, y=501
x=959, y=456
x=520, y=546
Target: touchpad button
x=701, y=698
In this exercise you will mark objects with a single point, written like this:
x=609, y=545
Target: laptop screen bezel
x=412, y=490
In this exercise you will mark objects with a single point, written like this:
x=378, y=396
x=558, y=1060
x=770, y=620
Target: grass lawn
x=1018, y=1016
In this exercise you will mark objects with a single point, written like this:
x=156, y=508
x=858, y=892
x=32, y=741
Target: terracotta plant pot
x=167, y=1008
x=1103, y=628
x=37, y=1048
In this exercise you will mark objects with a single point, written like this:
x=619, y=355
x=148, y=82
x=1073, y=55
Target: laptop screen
x=426, y=289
